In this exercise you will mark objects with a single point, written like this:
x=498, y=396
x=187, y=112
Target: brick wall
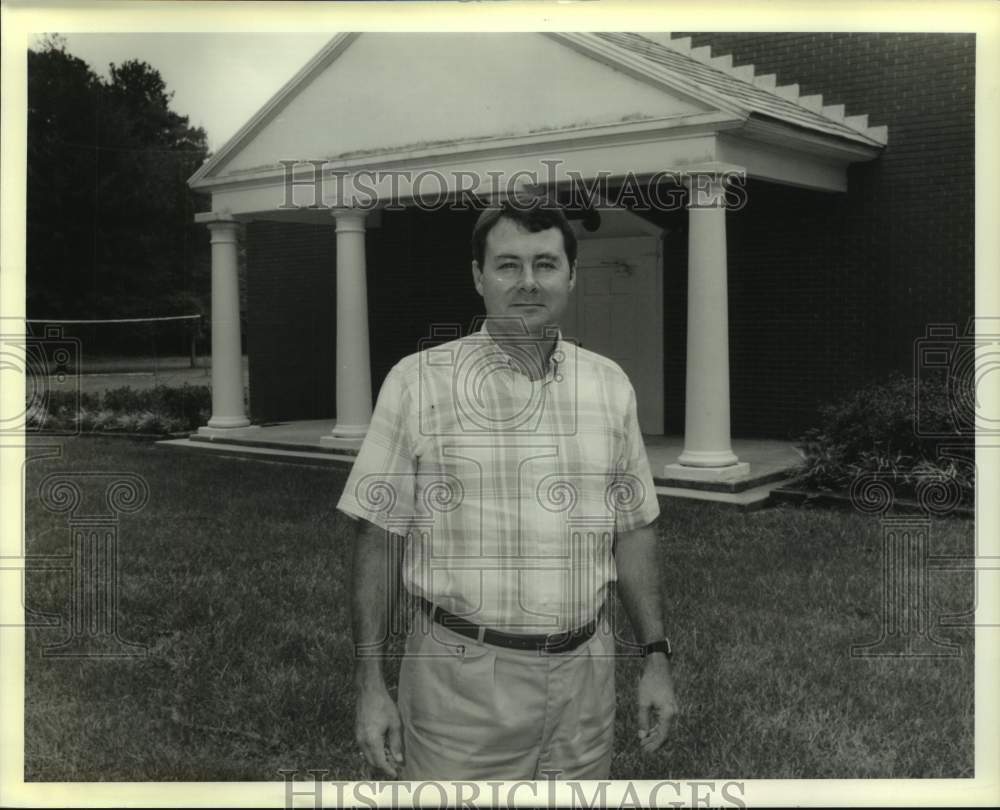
x=829, y=291
x=291, y=334
x=419, y=275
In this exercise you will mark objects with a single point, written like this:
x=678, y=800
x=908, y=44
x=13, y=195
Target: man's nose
x=528, y=281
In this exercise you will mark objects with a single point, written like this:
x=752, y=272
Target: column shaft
x=354, y=392
x=707, y=442
x=228, y=410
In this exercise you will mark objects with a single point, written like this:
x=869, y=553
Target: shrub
x=104, y=419
x=874, y=430
x=159, y=410
x=186, y=402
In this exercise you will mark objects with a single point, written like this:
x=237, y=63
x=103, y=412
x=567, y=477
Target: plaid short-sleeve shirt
x=508, y=490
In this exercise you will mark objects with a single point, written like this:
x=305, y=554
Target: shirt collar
x=556, y=359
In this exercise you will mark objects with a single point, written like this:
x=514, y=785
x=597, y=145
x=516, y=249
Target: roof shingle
x=740, y=86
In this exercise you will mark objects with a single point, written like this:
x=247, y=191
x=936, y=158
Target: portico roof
x=482, y=103
x=754, y=93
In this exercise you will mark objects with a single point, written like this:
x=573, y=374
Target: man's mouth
x=527, y=305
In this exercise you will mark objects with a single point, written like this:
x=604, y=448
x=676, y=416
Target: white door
x=618, y=313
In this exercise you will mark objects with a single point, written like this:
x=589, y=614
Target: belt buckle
x=554, y=641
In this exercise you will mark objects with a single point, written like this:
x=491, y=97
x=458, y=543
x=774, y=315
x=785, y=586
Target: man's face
x=524, y=276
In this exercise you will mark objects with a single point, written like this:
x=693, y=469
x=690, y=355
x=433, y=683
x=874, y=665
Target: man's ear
x=477, y=277
x=572, y=276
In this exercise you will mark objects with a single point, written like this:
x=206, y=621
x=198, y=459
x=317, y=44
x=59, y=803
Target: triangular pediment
x=397, y=93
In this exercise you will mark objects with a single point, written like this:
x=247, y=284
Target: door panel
x=618, y=312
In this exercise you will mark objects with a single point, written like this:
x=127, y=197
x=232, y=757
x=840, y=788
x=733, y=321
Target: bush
x=158, y=410
x=874, y=430
x=189, y=402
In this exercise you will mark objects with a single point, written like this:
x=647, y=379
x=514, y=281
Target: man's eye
x=546, y=266
x=508, y=266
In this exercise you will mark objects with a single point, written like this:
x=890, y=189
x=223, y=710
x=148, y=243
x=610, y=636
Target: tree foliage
x=110, y=229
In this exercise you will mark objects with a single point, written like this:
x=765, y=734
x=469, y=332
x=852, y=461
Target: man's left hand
x=657, y=703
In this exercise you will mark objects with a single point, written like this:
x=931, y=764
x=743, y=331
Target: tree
x=110, y=217
x=61, y=123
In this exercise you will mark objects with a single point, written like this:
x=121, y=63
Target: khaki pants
x=473, y=711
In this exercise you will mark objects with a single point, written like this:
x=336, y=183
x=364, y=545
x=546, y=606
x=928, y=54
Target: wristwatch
x=663, y=646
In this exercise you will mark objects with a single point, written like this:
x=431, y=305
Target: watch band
x=663, y=646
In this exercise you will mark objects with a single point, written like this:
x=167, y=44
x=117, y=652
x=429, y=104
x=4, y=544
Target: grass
x=94, y=375
x=236, y=577
x=91, y=363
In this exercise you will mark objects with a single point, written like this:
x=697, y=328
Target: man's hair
x=539, y=216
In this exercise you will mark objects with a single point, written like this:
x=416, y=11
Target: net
x=131, y=345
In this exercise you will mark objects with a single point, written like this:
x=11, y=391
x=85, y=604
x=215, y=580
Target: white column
x=708, y=453
x=228, y=411
x=354, y=387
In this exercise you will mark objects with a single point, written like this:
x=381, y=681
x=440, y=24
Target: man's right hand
x=378, y=727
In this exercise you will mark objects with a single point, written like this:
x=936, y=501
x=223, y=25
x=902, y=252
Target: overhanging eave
x=774, y=151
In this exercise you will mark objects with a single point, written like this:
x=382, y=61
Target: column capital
x=350, y=219
x=223, y=226
x=216, y=218
x=706, y=183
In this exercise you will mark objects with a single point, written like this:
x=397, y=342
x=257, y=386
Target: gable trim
x=632, y=65
x=326, y=55
x=564, y=141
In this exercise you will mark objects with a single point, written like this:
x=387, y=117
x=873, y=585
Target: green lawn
x=236, y=577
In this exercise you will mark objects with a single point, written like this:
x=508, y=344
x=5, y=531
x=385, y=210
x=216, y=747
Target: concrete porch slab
x=771, y=461
x=305, y=436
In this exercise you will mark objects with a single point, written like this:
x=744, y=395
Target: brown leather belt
x=565, y=641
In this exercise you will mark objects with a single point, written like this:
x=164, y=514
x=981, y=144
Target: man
x=507, y=469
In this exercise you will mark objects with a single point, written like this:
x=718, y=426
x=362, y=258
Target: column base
x=341, y=442
x=707, y=458
x=345, y=437
x=350, y=431
x=218, y=431
x=228, y=422
x=683, y=472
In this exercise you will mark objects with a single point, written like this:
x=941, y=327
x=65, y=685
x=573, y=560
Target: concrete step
x=748, y=499
x=732, y=487
x=280, y=445
x=322, y=458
